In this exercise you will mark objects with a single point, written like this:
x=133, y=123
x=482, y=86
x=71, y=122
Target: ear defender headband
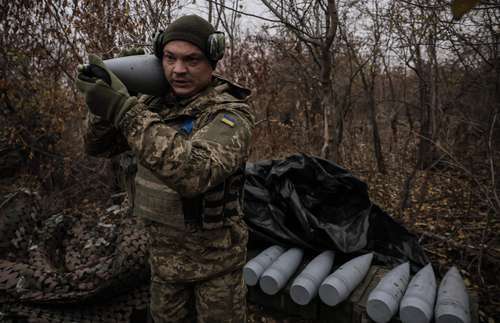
x=215, y=46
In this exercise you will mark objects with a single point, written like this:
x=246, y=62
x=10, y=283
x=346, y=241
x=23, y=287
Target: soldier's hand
x=105, y=94
x=131, y=51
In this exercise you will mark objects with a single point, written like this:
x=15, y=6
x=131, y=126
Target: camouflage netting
x=63, y=269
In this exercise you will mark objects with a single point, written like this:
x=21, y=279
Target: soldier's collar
x=190, y=106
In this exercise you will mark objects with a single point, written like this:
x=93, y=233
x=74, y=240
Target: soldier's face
x=186, y=68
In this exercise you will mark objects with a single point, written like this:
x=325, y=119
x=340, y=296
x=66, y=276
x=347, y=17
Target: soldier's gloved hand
x=131, y=51
x=105, y=94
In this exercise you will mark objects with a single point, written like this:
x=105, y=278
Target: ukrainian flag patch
x=228, y=120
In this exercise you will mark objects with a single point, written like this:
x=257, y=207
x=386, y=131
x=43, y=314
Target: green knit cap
x=191, y=28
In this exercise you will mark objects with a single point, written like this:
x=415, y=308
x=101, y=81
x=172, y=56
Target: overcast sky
x=254, y=7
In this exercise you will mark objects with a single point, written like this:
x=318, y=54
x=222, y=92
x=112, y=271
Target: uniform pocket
x=216, y=238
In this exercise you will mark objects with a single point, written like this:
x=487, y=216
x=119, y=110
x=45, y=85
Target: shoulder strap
x=149, y=100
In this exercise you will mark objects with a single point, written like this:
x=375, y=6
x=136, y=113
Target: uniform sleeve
x=101, y=139
x=191, y=165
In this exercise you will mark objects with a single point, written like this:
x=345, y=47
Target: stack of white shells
x=419, y=303
x=415, y=298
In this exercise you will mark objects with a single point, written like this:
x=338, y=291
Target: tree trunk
x=377, y=147
x=369, y=86
x=424, y=150
x=327, y=151
x=330, y=149
x=210, y=11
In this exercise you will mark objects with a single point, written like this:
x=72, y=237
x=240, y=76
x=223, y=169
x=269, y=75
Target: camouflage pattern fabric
x=63, y=260
x=17, y=222
x=185, y=148
x=101, y=139
x=195, y=254
x=186, y=164
x=176, y=303
x=192, y=163
x=125, y=308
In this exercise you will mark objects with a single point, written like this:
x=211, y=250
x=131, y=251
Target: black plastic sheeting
x=312, y=203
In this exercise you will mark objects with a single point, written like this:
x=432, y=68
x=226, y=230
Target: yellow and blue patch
x=228, y=120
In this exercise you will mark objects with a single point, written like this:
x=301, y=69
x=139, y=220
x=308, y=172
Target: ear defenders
x=216, y=44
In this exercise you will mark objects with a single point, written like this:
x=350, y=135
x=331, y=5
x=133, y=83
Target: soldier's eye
x=192, y=61
x=169, y=58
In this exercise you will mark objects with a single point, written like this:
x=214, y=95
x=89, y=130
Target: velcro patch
x=187, y=126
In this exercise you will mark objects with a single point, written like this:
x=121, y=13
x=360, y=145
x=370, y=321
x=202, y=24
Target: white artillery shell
x=339, y=285
x=276, y=276
x=306, y=285
x=417, y=305
x=452, y=304
x=383, y=301
x=255, y=267
x=140, y=73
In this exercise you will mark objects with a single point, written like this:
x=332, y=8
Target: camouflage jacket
x=191, y=145
x=184, y=148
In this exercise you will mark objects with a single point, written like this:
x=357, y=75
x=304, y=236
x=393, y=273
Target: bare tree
x=368, y=68
x=227, y=16
x=315, y=24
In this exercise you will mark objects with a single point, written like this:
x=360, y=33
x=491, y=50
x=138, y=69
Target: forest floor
x=454, y=225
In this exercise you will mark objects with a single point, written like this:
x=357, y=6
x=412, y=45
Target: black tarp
x=312, y=203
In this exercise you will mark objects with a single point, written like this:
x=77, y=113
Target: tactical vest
x=155, y=201
x=218, y=203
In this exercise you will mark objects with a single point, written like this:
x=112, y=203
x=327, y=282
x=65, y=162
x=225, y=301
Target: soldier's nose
x=179, y=67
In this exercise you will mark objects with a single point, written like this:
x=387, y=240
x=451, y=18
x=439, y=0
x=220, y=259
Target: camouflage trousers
x=218, y=300
x=197, y=274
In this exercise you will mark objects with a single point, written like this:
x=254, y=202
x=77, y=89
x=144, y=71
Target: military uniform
x=188, y=188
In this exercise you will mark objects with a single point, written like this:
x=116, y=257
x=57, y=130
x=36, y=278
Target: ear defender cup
x=157, y=44
x=216, y=46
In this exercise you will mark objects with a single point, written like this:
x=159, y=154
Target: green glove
x=105, y=94
x=131, y=52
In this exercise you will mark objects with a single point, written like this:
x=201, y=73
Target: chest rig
x=218, y=203
x=155, y=201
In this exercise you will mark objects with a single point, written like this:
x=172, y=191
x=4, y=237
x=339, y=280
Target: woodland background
x=398, y=92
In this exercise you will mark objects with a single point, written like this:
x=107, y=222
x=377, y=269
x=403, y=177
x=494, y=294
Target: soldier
x=191, y=146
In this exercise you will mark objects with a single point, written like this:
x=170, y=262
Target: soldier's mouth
x=181, y=82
